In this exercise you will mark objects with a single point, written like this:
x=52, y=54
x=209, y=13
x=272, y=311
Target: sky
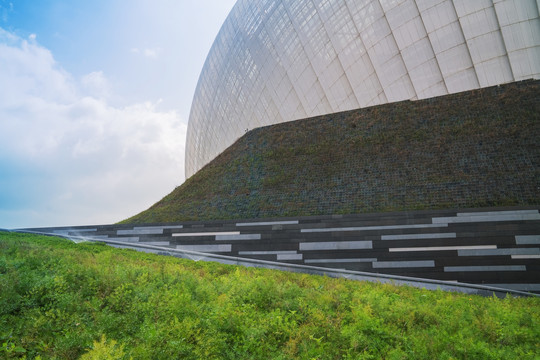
x=94, y=104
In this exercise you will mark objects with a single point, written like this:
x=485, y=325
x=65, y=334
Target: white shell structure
x=280, y=60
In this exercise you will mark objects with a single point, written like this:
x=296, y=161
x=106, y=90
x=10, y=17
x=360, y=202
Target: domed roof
x=280, y=60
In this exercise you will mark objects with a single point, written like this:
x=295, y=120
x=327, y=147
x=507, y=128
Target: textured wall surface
x=472, y=149
x=495, y=246
x=281, y=60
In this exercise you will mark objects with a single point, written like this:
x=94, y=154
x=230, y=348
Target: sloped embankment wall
x=472, y=149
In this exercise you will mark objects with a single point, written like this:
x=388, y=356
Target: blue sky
x=94, y=104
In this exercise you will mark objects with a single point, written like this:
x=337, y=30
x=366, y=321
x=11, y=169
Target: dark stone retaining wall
x=473, y=149
x=491, y=246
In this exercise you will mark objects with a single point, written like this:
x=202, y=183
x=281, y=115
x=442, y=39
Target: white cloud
x=30, y=70
x=67, y=156
x=96, y=84
x=152, y=53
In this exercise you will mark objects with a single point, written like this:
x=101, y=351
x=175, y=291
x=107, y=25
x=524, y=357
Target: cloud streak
x=152, y=53
x=67, y=155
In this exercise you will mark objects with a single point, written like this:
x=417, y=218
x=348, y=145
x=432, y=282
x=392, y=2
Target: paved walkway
x=496, y=247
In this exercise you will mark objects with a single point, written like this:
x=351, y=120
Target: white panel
x=496, y=69
x=438, y=89
x=437, y=16
x=275, y=60
x=299, y=113
x=364, y=81
x=331, y=73
x=522, y=35
x=486, y=47
x=479, y=23
x=392, y=4
x=323, y=107
x=342, y=91
x=307, y=83
x=401, y=13
x=426, y=77
x=525, y=63
x=380, y=99
x=270, y=108
x=284, y=87
x=489, y=72
x=383, y=51
x=353, y=52
x=416, y=50
x=399, y=86
x=339, y=26
x=314, y=98
x=511, y=12
x=290, y=105
x=533, y=55
x=358, y=6
x=417, y=54
x=375, y=32
x=424, y=5
x=466, y=7
x=446, y=37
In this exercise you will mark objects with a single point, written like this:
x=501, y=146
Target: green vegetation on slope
x=64, y=300
x=473, y=149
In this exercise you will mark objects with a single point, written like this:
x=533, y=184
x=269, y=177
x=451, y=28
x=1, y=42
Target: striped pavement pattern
x=495, y=246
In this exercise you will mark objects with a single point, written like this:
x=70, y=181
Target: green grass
x=473, y=149
x=62, y=300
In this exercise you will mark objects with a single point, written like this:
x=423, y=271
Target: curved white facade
x=281, y=60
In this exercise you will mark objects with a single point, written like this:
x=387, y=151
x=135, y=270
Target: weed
x=65, y=301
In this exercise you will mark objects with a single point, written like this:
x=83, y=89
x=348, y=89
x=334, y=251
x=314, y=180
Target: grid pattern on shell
x=282, y=60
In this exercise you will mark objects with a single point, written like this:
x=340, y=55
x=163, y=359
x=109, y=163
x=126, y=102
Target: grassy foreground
x=64, y=300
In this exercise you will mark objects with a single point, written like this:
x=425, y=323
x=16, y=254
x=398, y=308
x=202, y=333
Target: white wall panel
x=512, y=12
x=521, y=33
x=279, y=60
x=423, y=5
x=466, y=7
